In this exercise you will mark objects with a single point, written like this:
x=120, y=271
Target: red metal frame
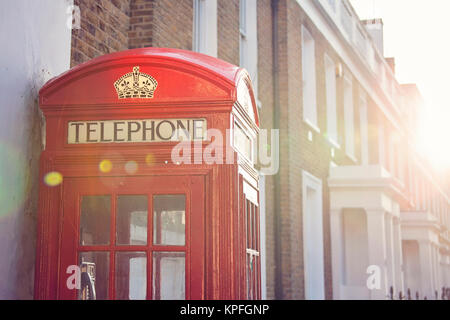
x=190, y=85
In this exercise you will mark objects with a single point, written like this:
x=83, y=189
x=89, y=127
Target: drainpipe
x=276, y=125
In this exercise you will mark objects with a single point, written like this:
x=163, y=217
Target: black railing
x=445, y=294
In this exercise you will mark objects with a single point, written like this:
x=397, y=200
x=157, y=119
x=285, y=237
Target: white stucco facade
x=368, y=191
x=36, y=47
x=407, y=247
x=422, y=229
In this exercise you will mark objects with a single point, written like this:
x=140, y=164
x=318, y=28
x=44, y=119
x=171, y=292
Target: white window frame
x=424, y=195
x=411, y=177
x=400, y=166
x=309, y=92
x=349, y=118
x=248, y=41
x=313, y=250
x=204, y=33
x=392, y=158
x=262, y=234
x=417, y=190
x=382, y=144
x=364, y=128
x=330, y=95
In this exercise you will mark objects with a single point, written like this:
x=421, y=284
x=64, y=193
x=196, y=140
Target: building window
x=381, y=144
x=309, y=79
x=408, y=164
x=199, y=28
x=360, y=41
x=400, y=166
x=313, y=237
x=417, y=191
x=205, y=27
x=435, y=206
x=330, y=87
x=371, y=58
x=332, y=4
x=430, y=209
x=248, y=41
x=391, y=157
x=349, y=117
x=364, y=130
x=252, y=245
x=424, y=195
x=243, y=32
x=346, y=19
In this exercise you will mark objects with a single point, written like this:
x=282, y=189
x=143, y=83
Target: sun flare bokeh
x=416, y=35
x=433, y=138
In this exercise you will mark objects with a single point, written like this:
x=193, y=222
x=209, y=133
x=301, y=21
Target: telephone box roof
x=181, y=76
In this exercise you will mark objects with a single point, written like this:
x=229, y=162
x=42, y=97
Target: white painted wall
x=35, y=47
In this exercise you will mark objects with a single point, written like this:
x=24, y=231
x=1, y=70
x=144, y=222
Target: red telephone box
x=123, y=216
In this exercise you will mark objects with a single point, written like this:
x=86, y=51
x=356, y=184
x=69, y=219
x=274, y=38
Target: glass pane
x=94, y=275
x=95, y=220
x=131, y=225
x=168, y=276
x=169, y=219
x=131, y=275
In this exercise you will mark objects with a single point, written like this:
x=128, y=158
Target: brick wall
x=104, y=29
x=228, y=30
x=115, y=25
x=266, y=97
x=171, y=24
x=141, y=23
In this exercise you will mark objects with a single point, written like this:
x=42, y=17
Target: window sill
x=333, y=143
x=398, y=181
x=311, y=125
x=351, y=157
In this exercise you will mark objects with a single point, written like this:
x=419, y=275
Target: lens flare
x=131, y=167
x=149, y=159
x=15, y=180
x=53, y=178
x=105, y=166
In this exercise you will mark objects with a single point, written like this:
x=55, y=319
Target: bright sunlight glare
x=433, y=137
x=416, y=35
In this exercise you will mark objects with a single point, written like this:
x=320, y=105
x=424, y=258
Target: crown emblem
x=135, y=85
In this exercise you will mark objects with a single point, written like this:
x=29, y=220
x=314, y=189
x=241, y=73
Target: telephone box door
x=132, y=238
